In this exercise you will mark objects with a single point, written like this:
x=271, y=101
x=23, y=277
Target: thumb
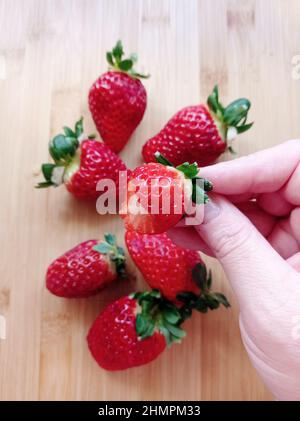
x=256, y=271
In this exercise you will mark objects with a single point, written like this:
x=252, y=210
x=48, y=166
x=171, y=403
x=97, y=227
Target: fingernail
x=211, y=211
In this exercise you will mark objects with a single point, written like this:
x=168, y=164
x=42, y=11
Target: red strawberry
x=134, y=330
x=117, y=99
x=164, y=265
x=80, y=165
x=179, y=274
x=158, y=195
x=199, y=133
x=86, y=269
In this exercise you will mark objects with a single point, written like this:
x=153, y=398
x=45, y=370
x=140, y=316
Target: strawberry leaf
x=110, y=239
x=158, y=314
x=221, y=299
x=209, y=280
x=63, y=148
x=206, y=299
x=244, y=127
x=166, y=334
x=201, y=305
x=189, y=170
x=139, y=75
x=68, y=132
x=171, y=315
x=126, y=65
x=142, y=324
x=155, y=293
x=102, y=248
x=47, y=170
x=199, y=274
x=186, y=296
x=236, y=111
x=213, y=102
x=118, y=51
x=149, y=331
x=175, y=330
x=211, y=302
x=44, y=184
x=79, y=127
x=109, y=58
x=198, y=195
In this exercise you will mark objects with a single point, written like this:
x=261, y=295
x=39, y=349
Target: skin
x=252, y=226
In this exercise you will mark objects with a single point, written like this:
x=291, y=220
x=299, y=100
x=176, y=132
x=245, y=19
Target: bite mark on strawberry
x=158, y=195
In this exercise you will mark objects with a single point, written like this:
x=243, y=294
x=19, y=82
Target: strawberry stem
x=117, y=62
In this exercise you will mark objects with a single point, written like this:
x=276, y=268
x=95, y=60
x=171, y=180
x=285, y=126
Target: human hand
x=252, y=226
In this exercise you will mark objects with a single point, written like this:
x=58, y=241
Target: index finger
x=262, y=172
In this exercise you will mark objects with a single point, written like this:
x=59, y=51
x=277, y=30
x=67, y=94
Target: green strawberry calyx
x=117, y=62
x=65, y=152
x=200, y=186
x=230, y=120
x=156, y=314
x=206, y=299
x=110, y=248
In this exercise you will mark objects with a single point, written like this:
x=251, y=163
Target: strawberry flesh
x=157, y=217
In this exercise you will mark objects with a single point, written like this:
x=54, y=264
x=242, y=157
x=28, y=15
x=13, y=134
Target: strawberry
x=86, y=269
x=158, y=195
x=199, y=133
x=134, y=330
x=163, y=264
x=179, y=274
x=117, y=99
x=80, y=162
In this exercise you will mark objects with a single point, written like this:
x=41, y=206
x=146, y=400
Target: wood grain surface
x=50, y=53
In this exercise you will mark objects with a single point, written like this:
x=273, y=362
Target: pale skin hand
x=258, y=244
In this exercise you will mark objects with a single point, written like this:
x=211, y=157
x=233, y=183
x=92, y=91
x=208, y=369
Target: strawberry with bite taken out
x=86, y=269
x=158, y=195
x=80, y=162
x=134, y=331
x=179, y=274
x=117, y=99
x=200, y=133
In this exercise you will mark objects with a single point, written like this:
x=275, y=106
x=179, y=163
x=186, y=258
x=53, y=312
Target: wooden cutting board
x=50, y=53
